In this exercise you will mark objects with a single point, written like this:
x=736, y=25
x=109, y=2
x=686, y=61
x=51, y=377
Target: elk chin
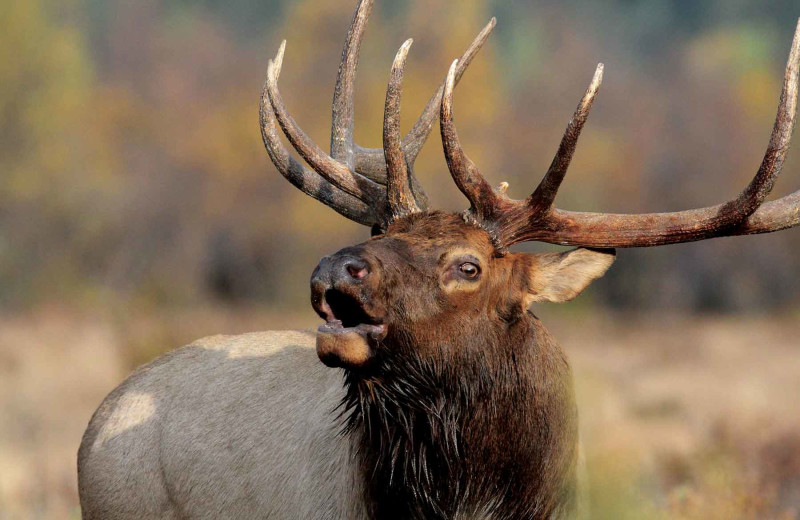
x=348, y=347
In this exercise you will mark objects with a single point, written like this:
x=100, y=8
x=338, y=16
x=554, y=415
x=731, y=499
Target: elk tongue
x=347, y=347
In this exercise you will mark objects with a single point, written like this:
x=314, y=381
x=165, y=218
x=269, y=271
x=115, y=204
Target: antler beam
x=535, y=218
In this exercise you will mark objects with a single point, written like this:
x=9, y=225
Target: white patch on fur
x=130, y=411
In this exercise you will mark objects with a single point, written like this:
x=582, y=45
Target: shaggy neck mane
x=471, y=432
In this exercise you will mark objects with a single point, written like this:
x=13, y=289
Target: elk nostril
x=357, y=269
x=357, y=272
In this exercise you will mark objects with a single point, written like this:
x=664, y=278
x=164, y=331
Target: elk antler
x=536, y=219
x=353, y=180
x=399, y=192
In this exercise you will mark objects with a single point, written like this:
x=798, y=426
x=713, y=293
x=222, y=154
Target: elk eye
x=469, y=270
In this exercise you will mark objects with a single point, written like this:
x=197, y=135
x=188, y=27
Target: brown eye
x=469, y=270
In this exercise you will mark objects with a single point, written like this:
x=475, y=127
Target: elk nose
x=339, y=271
x=343, y=273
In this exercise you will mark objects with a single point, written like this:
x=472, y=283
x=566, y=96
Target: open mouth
x=350, y=333
x=344, y=314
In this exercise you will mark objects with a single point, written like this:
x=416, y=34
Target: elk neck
x=482, y=425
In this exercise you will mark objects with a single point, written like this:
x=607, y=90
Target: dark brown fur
x=485, y=425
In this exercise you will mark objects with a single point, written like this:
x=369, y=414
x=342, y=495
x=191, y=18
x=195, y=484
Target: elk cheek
x=452, y=285
x=343, y=349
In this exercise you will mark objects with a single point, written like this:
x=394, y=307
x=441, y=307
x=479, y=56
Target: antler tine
x=422, y=128
x=335, y=172
x=544, y=196
x=370, y=161
x=343, y=111
x=743, y=215
x=761, y=185
x=306, y=180
x=398, y=191
x=466, y=175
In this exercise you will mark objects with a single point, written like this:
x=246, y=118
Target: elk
x=449, y=399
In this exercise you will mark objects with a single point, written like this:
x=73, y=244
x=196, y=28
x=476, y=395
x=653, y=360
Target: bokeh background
x=139, y=211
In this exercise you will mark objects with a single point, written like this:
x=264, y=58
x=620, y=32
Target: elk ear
x=560, y=277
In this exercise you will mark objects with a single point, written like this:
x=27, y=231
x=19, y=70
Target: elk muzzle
x=341, y=289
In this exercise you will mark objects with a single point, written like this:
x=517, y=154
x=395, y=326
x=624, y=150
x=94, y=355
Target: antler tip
x=594, y=86
x=795, y=52
x=793, y=66
x=484, y=34
x=407, y=45
x=598, y=75
x=278, y=62
x=400, y=59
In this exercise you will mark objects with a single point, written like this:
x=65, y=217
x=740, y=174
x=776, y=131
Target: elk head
x=428, y=276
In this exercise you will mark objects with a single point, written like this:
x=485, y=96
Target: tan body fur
x=228, y=427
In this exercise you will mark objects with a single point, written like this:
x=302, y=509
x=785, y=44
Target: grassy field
x=682, y=418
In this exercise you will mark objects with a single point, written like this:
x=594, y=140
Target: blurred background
x=139, y=211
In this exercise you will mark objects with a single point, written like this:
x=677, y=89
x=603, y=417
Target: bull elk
x=453, y=400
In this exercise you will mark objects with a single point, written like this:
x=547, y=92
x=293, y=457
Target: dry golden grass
x=682, y=418
x=689, y=418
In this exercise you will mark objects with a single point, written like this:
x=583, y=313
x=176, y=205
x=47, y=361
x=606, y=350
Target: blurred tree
x=132, y=168
x=48, y=157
